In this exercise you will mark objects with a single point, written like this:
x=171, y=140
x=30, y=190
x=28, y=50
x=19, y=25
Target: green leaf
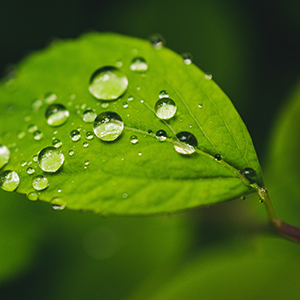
x=122, y=177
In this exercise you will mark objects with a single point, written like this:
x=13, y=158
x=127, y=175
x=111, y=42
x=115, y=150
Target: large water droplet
x=56, y=115
x=165, y=108
x=51, y=159
x=157, y=41
x=185, y=143
x=250, y=174
x=161, y=135
x=133, y=139
x=187, y=58
x=9, y=180
x=139, y=64
x=75, y=135
x=108, y=83
x=108, y=126
x=89, y=116
x=40, y=182
x=4, y=155
x=58, y=204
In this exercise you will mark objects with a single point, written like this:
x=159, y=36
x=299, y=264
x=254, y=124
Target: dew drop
x=125, y=105
x=58, y=204
x=125, y=195
x=139, y=64
x=130, y=98
x=187, y=58
x=21, y=134
x=37, y=135
x=32, y=128
x=250, y=174
x=71, y=152
x=40, y=182
x=85, y=144
x=218, y=157
x=49, y=98
x=200, y=105
x=157, y=41
x=51, y=159
x=4, y=155
x=89, y=116
x=37, y=104
x=35, y=158
x=89, y=135
x=185, y=143
x=30, y=171
x=243, y=197
x=86, y=163
x=208, y=76
x=33, y=196
x=105, y=105
x=9, y=181
x=56, y=143
x=108, y=126
x=75, y=135
x=108, y=83
x=165, y=108
x=23, y=163
x=56, y=115
x=161, y=135
x=134, y=140
x=150, y=131
x=163, y=94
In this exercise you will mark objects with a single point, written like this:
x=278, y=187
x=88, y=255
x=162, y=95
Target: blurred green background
x=223, y=252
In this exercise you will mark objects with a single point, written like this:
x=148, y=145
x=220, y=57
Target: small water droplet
x=75, y=135
x=89, y=116
x=33, y=196
x=165, y=108
x=125, y=195
x=37, y=104
x=134, y=140
x=59, y=190
x=108, y=126
x=71, y=152
x=119, y=64
x=243, y=198
x=138, y=88
x=4, y=156
x=130, y=98
x=105, y=105
x=32, y=128
x=250, y=174
x=161, y=135
x=108, y=83
x=21, y=134
x=72, y=97
x=40, y=182
x=9, y=180
x=218, y=157
x=200, y=105
x=150, y=131
x=37, y=135
x=85, y=144
x=58, y=204
x=23, y=163
x=89, y=135
x=125, y=105
x=185, y=143
x=157, y=41
x=51, y=159
x=35, y=158
x=208, y=76
x=163, y=94
x=187, y=58
x=56, y=143
x=139, y=64
x=56, y=115
x=140, y=154
x=49, y=98
x=30, y=171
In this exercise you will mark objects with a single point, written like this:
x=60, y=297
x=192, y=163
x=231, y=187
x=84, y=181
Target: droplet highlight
x=9, y=181
x=51, y=159
x=185, y=143
x=56, y=115
x=40, y=182
x=165, y=108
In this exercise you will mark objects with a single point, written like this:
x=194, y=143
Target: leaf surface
x=124, y=178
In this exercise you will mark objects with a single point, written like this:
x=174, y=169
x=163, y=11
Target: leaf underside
x=123, y=178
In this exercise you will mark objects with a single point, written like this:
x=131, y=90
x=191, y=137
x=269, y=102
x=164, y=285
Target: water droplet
x=59, y=190
x=32, y=128
x=200, y=105
x=75, y=135
x=58, y=204
x=108, y=83
x=9, y=181
x=243, y=197
x=37, y=104
x=108, y=126
x=165, y=108
x=40, y=182
x=250, y=174
x=89, y=135
x=89, y=116
x=21, y=134
x=105, y=105
x=71, y=152
x=208, y=76
x=57, y=115
x=140, y=154
x=33, y=196
x=23, y=163
x=161, y=135
x=139, y=64
x=157, y=41
x=125, y=105
x=150, y=131
x=30, y=171
x=163, y=94
x=218, y=157
x=133, y=139
x=51, y=159
x=56, y=143
x=35, y=158
x=49, y=98
x=185, y=143
x=119, y=64
x=4, y=155
x=37, y=135
x=187, y=58
x=130, y=98
x=125, y=195
x=85, y=144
